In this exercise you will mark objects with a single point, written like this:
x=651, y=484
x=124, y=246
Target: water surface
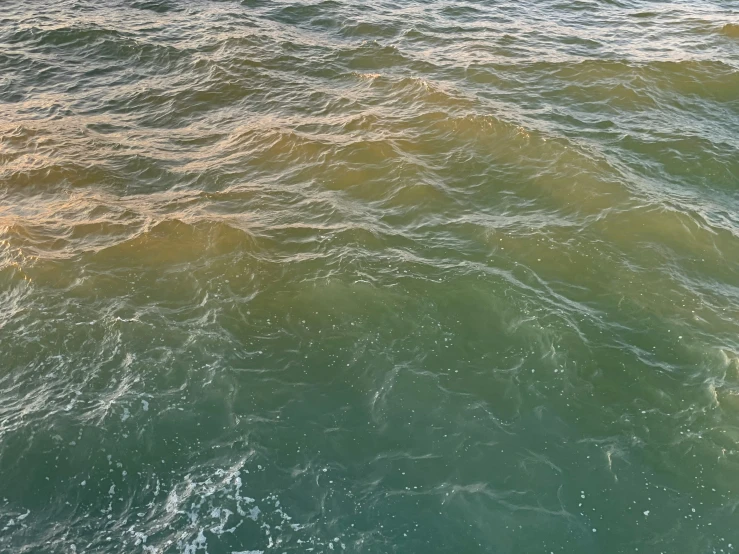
x=411, y=277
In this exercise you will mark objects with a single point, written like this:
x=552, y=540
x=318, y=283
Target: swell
x=643, y=83
x=672, y=121
x=399, y=173
x=94, y=44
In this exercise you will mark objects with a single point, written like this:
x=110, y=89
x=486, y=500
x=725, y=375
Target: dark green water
x=390, y=277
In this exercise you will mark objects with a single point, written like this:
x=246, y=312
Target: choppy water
x=369, y=277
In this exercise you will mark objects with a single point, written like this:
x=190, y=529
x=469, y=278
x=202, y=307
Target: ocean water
x=369, y=277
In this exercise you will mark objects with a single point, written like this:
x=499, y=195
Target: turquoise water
x=410, y=277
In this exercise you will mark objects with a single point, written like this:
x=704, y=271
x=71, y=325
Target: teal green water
x=390, y=277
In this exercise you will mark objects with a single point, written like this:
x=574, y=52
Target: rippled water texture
x=387, y=277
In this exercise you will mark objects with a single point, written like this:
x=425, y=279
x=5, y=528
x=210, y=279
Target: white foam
x=199, y=543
